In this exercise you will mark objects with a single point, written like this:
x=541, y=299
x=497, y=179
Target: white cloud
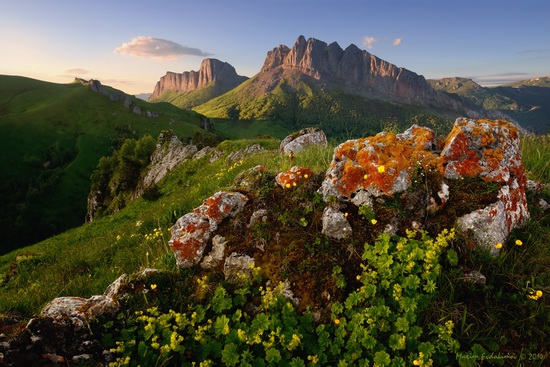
x=397, y=41
x=368, y=42
x=76, y=71
x=156, y=48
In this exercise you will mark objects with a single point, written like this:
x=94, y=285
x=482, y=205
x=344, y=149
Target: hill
x=52, y=138
x=403, y=295
x=526, y=102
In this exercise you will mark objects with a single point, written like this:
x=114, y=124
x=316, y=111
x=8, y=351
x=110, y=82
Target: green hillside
x=300, y=104
x=52, y=137
x=194, y=98
x=456, y=319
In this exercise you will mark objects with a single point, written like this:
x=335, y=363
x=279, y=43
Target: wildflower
x=365, y=176
x=373, y=221
x=381, y=169
x=337, y=321
x=535, y=295
x=118, y=237
x=153, y=287
x=417, y=362
x=358, y=277
x=346, y=214
x=306, y=175
x=519, y=243
x=294, y=184
x=539, y=294
x=287, y=186
x=498, y=246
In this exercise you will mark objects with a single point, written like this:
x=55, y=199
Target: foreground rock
x=384, y=165
x=297, y=142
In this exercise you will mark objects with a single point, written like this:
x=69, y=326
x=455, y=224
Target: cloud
x=76, y=71
x=368, y=42
x=500, y=78
x=156, y=48
x=397, y=41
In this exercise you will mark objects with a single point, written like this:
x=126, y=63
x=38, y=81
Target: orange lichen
x=294, y=176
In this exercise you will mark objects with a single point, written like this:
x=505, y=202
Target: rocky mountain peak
x=354, y=70
x=209, y=71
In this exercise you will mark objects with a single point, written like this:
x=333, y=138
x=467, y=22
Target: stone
x=136, y=110
x=215, y=257
x=191, y=232
x=295, y=176
x=297, y=142
x=475, y=277
x=335, y=224
x=202, y=153
x=258, y=215
x=237, y=268
x=381, y=165
x=243, y=153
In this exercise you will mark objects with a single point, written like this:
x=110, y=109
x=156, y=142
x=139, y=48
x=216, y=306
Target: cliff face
x=353, y=69
x=188, y=81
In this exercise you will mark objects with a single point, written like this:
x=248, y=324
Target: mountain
x=192, y=88
x=318, y=83
x=526, y=102
x=52, y=138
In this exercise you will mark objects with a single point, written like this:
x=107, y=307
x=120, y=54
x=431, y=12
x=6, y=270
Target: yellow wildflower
x=498, y=246
x=373, y=221
x=294, y=184
x=287, y=186
x=365, y=176
x=381, y=169
x=306, y=175
x=346, y=214
x=519, y=243
x=416, y=362
x=337, y=321
x=153, y=287
x=358, y=277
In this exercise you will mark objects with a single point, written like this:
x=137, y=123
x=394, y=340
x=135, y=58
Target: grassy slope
x=83, y=125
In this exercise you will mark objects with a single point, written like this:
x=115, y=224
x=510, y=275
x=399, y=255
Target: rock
x=202, y=153
x=475, y=277
x=490, y=150
x=215, y=257
x=381, y=166
x=136, y=110
x=304, y=138
x=191, y=232
x=543, y=204
x=260, y=214
x=335, y=224
x=211, y=70
x=237, y=268
x=533, y=186
x=295, y=176
x=246, y=152
x=169, y=153
x=377, y=166
x=251, y=179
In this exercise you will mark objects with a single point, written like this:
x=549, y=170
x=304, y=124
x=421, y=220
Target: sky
x=129, y=45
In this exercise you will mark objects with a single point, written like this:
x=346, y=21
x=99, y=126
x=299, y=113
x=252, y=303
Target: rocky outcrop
x=355, y=70
x=364, y=170
x=170, y=153
x=210, y=70
x=297, y=142
x=191, y=233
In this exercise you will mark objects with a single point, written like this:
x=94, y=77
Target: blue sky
x=131, y=44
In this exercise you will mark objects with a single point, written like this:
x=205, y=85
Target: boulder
x=214, y=258
x=335, y=224
x=293, y=177
x=191, y=232
x=237, y=268
x=379, y=167
x=302, y=139
x=243, y=153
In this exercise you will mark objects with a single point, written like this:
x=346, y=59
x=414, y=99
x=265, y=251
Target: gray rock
x=335, y=224
x=237, y=268
x=215, y=257
x=295, y=143
x=246, y=152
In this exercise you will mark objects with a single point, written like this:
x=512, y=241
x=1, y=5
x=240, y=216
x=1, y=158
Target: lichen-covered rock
x=191, y=232
x=335, y=224
x=304, y=138
x=237, y=268
x=490, y=150
x=215, y=257
x=293, y=177
x=379, y=165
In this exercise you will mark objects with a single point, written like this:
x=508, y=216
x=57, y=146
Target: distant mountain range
x=315, y=72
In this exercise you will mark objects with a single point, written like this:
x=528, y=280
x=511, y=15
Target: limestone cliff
x=355, y=70
x=210, y=70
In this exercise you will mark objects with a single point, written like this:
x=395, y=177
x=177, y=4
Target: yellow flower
x=153, y=287
x=381, y=169
x=498, y=246
x=373, y=221
x=358, y=277
x=365, y=176
x=416, y=362
x=306, y=175
x=294, y=184
x=287, y=186
x=337, y=321
x=539, y=294
x=346, y=214
x=519, y=243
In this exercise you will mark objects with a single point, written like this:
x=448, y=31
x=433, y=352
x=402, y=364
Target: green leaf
x=220, y=301
x=272, y=355
x=381, y=358
x=452, y=257
x=402, y=324
x=230, y=356
x=221, y=325
x=297, y=362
